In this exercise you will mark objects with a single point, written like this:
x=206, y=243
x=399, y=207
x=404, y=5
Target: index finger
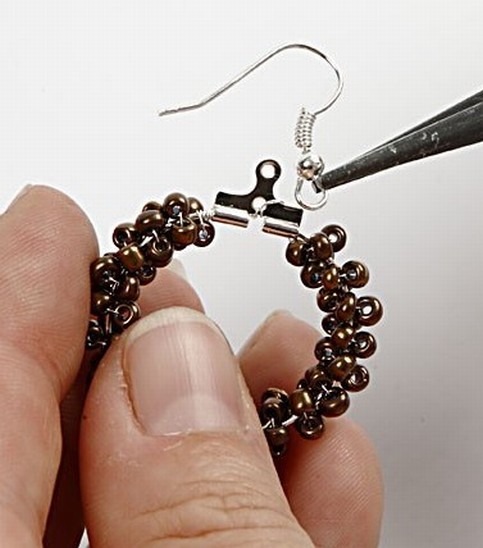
x=47, y=245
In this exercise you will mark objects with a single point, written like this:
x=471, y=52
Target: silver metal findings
x=309, y=167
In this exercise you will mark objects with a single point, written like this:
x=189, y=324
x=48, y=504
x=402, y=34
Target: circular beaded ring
x=160, y=229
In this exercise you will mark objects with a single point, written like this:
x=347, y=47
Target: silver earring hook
x=252, y=68
x=310, y=166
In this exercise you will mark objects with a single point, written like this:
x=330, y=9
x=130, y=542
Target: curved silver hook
x=251, y=68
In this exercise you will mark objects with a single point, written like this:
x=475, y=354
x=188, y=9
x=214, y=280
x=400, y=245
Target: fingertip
x=278, y=353
x=335, y=486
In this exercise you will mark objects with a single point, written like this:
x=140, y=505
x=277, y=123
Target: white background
x=81, y=83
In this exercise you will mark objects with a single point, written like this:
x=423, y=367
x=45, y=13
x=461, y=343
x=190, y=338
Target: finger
x=333, y=485
x=47, y=244
x=171, y=448
x=65, y=524
x=170, y=288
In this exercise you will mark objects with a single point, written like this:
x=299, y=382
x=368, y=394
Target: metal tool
x=456, y=127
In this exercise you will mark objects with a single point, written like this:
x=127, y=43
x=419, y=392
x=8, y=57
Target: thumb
x=171, y=447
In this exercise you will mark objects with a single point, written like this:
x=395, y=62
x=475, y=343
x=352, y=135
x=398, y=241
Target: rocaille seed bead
x=342, y=335
x=95, y=335
x=273, y=410
x=176, y=204
x=357, y=380
x=317, y=378
x=146, y=274
x=184, y=234
x=311, y=275
x=194, y=205
x=330, y=277
x=104, y=268
x=277, y=439
x=310, y=426
x=149, y=220
x=100, y=302
x=333, y=403
x=337, y=236
x=369, y=311
x=321, y=247
x=125, y=234
x=125, y=314
x=346, y=308
x=159, y=252
x=364, y=344
x=329, y=323
x=356, y=273
x=341, y=367
x=328, y=301
x=129, y=289
x=131, y=257
x=277, y=393
x=152, y=206
x=301, y=401
x=297, y=252
x=205, y=234
x=324, y=350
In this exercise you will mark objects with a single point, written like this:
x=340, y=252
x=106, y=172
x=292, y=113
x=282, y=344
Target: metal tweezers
x=455, y=127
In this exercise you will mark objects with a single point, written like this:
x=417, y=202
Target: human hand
x=171, y=450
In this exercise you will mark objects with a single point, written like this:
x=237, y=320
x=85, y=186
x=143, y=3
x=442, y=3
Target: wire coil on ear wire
x=304, y=130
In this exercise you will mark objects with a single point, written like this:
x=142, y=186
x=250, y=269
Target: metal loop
x=311, y=206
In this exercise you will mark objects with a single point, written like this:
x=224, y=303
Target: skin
x=325, y=494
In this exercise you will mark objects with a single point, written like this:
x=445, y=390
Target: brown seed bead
x=317, y=378
x=100, y=302
x=124, y=234
x=342, y=335
x=364, y=344
x=95, y=335
x=311, y=275
x=152, y=206
x=369, y=311
x=310, y=427
x=149, y=220
x=184, y=234
x=277, y=439
x=194, y=205
x=337, y=236
x=300, y=401
x=330, y=277
x=273, y=410
x=321, y=246
x=346, y=308
x=328, y=301
x=329, y=323
x=356, y=273
x=297, y=252
x=325, y=350
x=277, y=393
x=176, y=204
x=357, y=380
x=159, y=252
x=125, y=314
x=131, y=257
x=104, y=268
x=146, y=274
x=205, y=234
x=341, y=367
x=333, y=403
x=129, y=289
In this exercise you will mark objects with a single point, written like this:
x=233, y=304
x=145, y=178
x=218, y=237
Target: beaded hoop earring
x=179, y=221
